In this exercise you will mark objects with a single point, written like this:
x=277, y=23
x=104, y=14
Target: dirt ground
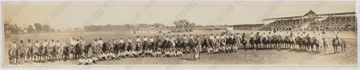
x=262, y=57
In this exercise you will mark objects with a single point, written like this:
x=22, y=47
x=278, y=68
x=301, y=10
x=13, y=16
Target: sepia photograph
x=245, y=33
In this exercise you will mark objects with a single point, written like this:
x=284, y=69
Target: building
x=313, y=21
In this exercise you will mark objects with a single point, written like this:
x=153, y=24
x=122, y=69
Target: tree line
x=35, y=28
x=125, y=27
x=180, y=26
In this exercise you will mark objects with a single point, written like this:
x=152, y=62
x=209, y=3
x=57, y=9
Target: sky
x=70, y=14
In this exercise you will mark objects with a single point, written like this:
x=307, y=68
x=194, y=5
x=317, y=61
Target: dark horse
x=339, y=43
x=79, y=50
x=244, y=42
x=12, y=55
x=299, y=42
x=315, y=43
x=257, y=41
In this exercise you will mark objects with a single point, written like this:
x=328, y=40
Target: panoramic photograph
x=179, y=33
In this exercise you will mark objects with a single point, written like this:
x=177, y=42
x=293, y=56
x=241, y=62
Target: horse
x=104, y=47
x=13, y=55
x=282, y=41
x=60, y=52
x=258, y=41
x=77, y=51
x=252, y=42
x=264, y=42
x=300, y=42
x=316, y=43
x=307, y=43
x=233, y=43
x=339, y=43
x=244, y=42
x=324, y=44
x=206, y=44
x=116, y=48
x=82, y=49
x=217, y=46
x=274, y=42
x=291, y=42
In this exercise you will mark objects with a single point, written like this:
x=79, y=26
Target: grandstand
x=311, y=21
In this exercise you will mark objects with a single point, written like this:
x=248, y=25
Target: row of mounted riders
x=160, y=46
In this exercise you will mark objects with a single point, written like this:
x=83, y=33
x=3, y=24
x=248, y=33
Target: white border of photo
x=175, y=67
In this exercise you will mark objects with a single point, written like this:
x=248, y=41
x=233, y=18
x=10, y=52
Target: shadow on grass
x=332, y=53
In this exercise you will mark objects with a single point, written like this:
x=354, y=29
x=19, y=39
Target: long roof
x=313, y=13
x=247, y=24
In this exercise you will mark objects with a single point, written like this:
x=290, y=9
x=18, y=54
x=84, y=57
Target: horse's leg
x=309, y=47
x=323, y=46
x=244, y=45
x=342, y=48
x=277, y=45
x=312, y=47
x=283, y=45
x=287, y=45
x=303, y=47
x=252, y=45
x=291, y=45
x=334, y=48
x=255, y=46
x=300, y=46
x=317, y=47
x=261, y=45
x=273, y=45
x=306, y=46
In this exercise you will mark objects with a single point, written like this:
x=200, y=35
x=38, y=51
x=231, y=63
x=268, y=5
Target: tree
x=46, y=28
x=38, y=27
x=11, y=28
x=30, y=29
x=184, y=25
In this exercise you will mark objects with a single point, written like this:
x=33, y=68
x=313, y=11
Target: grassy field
x=276, y=57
